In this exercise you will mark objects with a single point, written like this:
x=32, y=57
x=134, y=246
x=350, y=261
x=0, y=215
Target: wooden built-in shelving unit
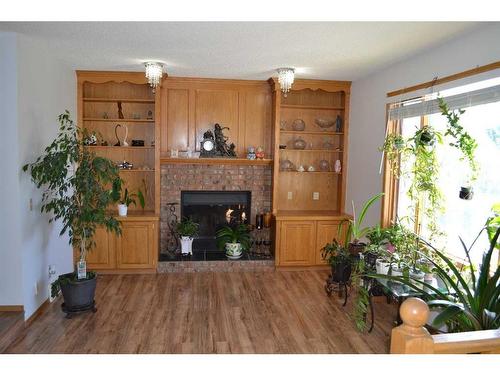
x=309, y=206
x=99, y=93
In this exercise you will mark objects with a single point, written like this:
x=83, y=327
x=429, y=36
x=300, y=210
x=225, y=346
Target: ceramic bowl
x=324, y=123
x=298, y=125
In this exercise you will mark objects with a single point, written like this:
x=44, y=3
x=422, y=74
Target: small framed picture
x=174, y=153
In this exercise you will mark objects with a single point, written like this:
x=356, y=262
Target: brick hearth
x=178, y=177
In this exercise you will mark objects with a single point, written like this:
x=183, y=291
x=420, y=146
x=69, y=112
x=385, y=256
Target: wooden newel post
x=411, y=336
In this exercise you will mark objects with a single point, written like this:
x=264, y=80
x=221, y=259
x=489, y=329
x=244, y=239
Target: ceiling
x=242, y=50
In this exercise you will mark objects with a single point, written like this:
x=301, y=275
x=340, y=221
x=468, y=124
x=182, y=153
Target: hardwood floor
x=247, y=312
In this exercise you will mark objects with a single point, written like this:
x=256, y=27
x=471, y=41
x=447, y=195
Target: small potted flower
x=234, y=239
x=126, y=199
x=340, y=259
x=187, y=230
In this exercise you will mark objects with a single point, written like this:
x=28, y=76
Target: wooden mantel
x=216, y=161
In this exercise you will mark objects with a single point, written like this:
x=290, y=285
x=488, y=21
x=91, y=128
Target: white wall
x=368, y=103
x=45, y=89
x=10, y=244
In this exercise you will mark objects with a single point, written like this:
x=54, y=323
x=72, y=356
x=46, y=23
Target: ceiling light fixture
x=285, y=79
x=154, y=72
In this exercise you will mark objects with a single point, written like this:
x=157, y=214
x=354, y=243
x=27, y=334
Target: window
x=462, y=218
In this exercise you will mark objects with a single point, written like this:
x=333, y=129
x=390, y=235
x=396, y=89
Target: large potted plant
x=355, y=232
x=235, y=240
x=76, y=191
x=187, y=229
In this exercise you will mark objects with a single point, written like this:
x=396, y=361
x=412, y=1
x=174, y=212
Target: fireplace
x=212, y=210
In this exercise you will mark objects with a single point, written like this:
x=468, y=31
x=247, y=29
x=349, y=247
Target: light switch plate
x=316, y=196
x=290, y=195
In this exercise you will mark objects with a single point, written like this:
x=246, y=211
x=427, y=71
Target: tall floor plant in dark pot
x=78, y=187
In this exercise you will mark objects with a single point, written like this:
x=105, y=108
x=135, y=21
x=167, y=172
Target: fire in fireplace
x=212, y=210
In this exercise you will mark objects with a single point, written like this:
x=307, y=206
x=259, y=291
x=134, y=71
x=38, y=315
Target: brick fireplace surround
x=178, y=177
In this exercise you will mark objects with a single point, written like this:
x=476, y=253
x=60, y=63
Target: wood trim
x=453, y=77
x=321, y=267
x=314, y=84
x=38, y=312
x=11, y=308
x=199, y=83
x=467, y=342
x=390, y=184
x=110, y=76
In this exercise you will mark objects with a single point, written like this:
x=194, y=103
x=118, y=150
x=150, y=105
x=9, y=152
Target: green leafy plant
x=127, y=198
x=462, y=139
x=355, y=232
x=493, y=223
x=187, y=227
x=467, y=302
x=237, y=234
x=75, y=183
x=335, y=254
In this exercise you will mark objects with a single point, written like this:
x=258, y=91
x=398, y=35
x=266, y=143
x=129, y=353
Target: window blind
x=429, y=105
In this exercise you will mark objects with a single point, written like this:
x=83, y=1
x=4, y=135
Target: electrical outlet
x=316, y=196
x=290, y=195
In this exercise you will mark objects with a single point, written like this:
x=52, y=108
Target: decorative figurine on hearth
x=251, y=153
x=90, y=140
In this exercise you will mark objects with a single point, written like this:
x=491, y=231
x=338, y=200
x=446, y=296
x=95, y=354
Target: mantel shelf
x=117, y=120
x=311, y=132
x=115, y=100
x=306, y=172
x=311, y=150
x=136, y=170
x=300, y=106
x=215, y=161
x=121, y=147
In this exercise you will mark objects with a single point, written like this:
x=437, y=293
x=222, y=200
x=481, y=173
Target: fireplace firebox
x=212, y=210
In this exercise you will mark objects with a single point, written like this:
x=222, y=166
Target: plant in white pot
x=235, y=240
x=187, y=230
x=126, y=199
x=76, y=191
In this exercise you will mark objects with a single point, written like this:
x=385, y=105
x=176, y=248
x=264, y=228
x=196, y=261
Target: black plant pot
x=466, y=193
x=370, y=259
x=356, y=248
x=78, y=294
x=341, y=272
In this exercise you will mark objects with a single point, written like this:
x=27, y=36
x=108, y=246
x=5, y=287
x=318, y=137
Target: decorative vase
x=299, y=125
x=233, y=249
x=324, y=165
x=186, y=245
x=259, y=152
x=338, y=124
x=338, y=166
x=299, y=144
x=122, y=210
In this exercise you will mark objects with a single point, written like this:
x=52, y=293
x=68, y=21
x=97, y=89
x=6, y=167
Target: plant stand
x=340, y=286
x=74, y=310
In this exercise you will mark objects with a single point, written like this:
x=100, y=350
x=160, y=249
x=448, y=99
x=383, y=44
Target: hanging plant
x=461, y=141
x=394, y=148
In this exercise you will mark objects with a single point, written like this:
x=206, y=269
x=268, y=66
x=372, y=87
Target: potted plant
x=235, y=240
x=463, y=142
x=75, y=183
x=466, y=301
x=187, y=230
x=126, y=199
x=355, y=232
x=340, y=261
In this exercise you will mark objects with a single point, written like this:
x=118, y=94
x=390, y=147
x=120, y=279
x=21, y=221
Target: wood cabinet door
x=102, y=256
x=297, y=243
x=326, y=232
x=135, y=246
